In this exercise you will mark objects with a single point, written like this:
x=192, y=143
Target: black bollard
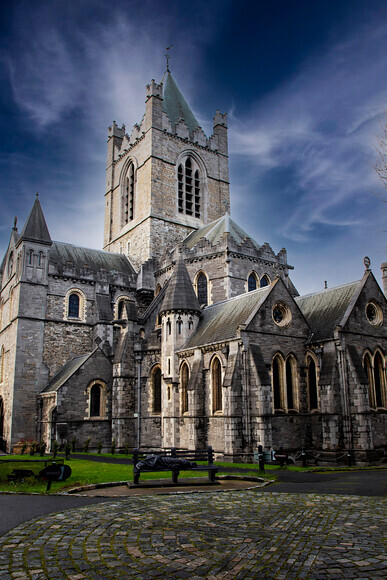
x=349, y=459
x=303, y=457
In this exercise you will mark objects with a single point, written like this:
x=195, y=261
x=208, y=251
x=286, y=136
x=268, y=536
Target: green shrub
x=86, y=445
x=99, y=447
x=113, y=447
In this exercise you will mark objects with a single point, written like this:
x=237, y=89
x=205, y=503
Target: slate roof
x=325, y=310
x=35, y=229
x=221, y=321
x=67, y=371
x=214, y=231
x=61, y=254
x=175, y=105
x=180, y=294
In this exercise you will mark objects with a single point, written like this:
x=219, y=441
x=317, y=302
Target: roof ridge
x=327, y=290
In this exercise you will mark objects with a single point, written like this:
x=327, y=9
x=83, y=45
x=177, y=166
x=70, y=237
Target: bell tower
x=166, y=179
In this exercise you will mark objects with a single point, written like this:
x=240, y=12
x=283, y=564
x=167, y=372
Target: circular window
x=374, y=313
x=281, y=314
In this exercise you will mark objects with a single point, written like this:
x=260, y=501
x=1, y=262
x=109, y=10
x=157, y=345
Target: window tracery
x=189, y=188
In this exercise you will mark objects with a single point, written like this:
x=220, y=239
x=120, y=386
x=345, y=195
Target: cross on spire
x=167, y=56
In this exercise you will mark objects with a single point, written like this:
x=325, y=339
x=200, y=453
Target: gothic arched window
x=379, y=381
x=73, y=311
x=156, y=384
x=216, y=379
x=128, y=196
x=189, y=188
x=95, y=401
x=312, y=384
x=265, y=281
x=370, y=377
x=252, y=282
x=202, y=292
x=1, y=418
x=278, y=383
x=184, y=376
x=290, y=372
x=179, y=325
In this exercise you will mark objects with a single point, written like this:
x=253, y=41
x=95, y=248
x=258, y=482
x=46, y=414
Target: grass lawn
x=86, y=472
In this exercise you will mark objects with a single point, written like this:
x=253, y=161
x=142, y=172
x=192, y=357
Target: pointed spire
x=35, y=229
x=180, y=294
x=175, y=105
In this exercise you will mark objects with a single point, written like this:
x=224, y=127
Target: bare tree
x=381, y=163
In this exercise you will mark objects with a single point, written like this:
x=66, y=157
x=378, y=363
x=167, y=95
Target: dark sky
x=304, y=84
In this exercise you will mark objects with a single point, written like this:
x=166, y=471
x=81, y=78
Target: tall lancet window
x=128, y=196
x=189, y=188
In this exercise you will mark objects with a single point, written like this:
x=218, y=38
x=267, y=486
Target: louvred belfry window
x=128, y=197
x=189, y=188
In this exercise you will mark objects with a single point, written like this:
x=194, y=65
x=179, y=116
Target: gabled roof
x=175, y=105
x=35, y=229
x=325, y=310
x=67, y=371
x=221, y=321
x=180, y=294
x=214, y=231
x=62, y=254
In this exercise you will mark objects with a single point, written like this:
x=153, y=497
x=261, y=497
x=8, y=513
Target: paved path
x=236, y=534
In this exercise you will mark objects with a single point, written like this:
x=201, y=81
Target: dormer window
x=189, y=188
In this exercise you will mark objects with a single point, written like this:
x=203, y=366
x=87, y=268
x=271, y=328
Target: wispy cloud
x=321, y=125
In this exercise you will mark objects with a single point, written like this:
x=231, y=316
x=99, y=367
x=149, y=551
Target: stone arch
x=252, y=281
x=192, y=188
x=264, y=281
x=156, y=393
x=184, y=379
x=128, y=182
x=291, y=375
x=75, y=305
x=216, y=384
x=312, y=382
x=278, y=382
x=96, y=393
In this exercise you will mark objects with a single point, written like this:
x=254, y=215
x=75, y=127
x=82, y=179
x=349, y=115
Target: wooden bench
x=206, y=455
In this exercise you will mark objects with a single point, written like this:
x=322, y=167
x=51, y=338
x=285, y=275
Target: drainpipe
x=246, y=410
x=138, y=357
x=347, y=419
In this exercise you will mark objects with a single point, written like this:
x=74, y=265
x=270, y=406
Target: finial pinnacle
x=167, y=56
x=15, y=223
x=367, y=263
x=37, y=195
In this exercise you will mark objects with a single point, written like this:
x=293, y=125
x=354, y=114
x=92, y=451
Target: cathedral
x=183, y=331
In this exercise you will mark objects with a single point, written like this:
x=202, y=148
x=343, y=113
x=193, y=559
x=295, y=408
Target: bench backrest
x=191, y=455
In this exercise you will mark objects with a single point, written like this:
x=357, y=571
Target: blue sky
x=304, y=84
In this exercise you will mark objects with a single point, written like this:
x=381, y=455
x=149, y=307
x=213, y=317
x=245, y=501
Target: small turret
x=180, y=312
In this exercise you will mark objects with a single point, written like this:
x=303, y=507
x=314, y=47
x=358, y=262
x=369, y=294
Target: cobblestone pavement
x=244, y=534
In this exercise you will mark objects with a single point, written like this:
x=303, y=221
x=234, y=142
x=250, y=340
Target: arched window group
x=374, y=366
x=284, y=377
x=128, y=195
x=216, y=381
x=253, y=281
x=184, y=377
x=189, y=188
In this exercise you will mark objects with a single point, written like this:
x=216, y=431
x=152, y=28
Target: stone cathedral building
x=183, y=331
